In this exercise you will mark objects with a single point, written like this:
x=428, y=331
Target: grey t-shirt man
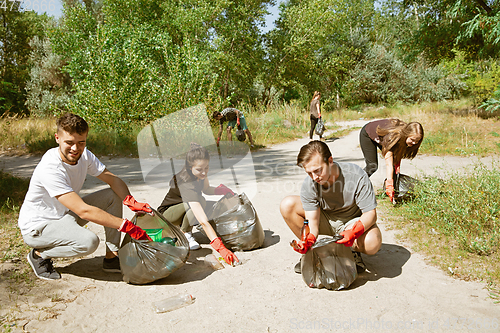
x=350, y=196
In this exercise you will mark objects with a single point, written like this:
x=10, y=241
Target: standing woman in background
x=315, y=113
x=396, y=139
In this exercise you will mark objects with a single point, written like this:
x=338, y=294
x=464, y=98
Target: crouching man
x=53, y=215
x=336, y=198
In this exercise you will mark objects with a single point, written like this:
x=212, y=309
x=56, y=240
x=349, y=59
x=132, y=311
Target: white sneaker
x=193, y=244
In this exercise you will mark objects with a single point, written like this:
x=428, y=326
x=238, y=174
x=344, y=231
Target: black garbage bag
x=145, y=261
x=320, y=127
x=240, y=134
x=235, y=221
x=329, y=265
x=404, y=186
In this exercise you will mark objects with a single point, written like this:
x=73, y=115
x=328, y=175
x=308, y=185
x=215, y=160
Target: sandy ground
x=401, y=293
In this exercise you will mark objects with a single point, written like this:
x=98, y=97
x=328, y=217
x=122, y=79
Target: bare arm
x=117, y=185
x=220, y=132
x=368, y=218
x=200, y=215
x=389, y=165
x=319, y=111
x=313, y=218
x=87, y=212
x=207, y=189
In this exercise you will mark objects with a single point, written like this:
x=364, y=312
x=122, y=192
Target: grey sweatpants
x=67, y=237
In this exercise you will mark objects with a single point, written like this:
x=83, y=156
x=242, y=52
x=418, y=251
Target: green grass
x=12, y=246
x=451, y=128
x=455, y=221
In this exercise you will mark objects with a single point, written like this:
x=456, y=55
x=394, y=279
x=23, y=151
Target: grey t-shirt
x=351, y=195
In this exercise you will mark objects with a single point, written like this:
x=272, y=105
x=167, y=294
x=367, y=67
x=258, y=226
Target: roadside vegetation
x=455, y=222
x=451, y=128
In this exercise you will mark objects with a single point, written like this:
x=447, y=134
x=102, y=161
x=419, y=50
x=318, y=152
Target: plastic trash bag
x=240, y=134
x=145, y=261
x=235, y=221
x=403, y=187
x=329, y=265
x=320, y=127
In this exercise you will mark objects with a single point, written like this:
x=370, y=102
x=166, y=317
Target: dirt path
x=402, y=292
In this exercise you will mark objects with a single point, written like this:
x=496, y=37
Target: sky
x=55, y=7
x=51, y=7
x=273, y=16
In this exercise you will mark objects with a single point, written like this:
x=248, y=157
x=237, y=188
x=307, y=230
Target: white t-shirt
x=53, y=177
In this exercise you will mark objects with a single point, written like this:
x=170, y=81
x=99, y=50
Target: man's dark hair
x=216, y=114
x=312, y=148
x=72, y=123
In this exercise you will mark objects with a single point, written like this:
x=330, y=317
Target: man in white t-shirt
x=338, y=199
x=53, y=215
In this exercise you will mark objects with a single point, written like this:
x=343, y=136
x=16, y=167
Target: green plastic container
x=155, y=234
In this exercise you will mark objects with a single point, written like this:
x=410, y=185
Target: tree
x=16, y=30
x=316, y=43
x=471, y=26
x=48, y=89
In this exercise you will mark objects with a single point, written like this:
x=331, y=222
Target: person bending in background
x=234, y=117
x=396, y=139
x=185, y=205
x=315, y=113
x=53, y=215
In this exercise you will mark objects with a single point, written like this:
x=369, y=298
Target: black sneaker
x=297, y=268
x=43, y=268
x=111, y=265
x=360, y=265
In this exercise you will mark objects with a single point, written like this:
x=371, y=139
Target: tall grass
x=451, y=128
x=457, y=221
x=12, y=246
x=36, y=136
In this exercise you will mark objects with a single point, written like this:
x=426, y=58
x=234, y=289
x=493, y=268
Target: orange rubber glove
x=134, y=231
x=238, y=121
x=352, y=234
x=222, y=190
x=389, y=188
x=303, y=246
x=228, y=256
x=397, y=168
x=135, y=206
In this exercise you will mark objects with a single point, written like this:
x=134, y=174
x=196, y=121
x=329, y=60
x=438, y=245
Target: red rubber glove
x=389, y=188
x=228, y=256
x=135, y=206
x=397, y=167
x=352, y=234
x=222, y=190
x=134, y=231
x=303, y=246
x=238, y=121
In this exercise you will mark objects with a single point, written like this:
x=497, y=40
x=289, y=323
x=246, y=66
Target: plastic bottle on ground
x=173, y=303
x=211, y=260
